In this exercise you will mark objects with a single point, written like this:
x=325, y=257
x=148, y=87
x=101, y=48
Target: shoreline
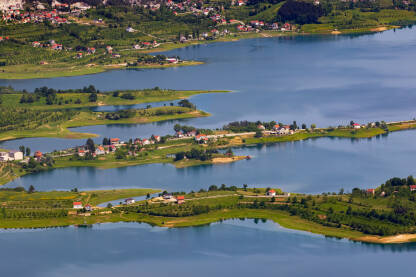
x=283, y=219
x=173, y=45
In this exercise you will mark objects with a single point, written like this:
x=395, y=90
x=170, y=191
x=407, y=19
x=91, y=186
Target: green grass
x=104, y=98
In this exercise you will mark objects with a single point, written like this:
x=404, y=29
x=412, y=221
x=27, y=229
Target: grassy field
x=68, y=99
x=84, y=118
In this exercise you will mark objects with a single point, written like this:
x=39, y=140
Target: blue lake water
x=324, y=80
x=230, y=248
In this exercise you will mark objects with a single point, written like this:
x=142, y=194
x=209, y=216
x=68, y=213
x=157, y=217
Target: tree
x=303, y=126
x=177, y=127
x=258, y=134
x=93, y=97
x=313, y=126
x=22, y=149
x=90, y=145
x=31, y=189
x=27, y=151
x=299, y=12
x=245, y=187
x=341, y=191
x=109, y=205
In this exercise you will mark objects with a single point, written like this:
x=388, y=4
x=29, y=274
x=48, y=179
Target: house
x=91, y=50
x=167, y=196
x=261, y=127
x=356, y=126
x=201, y=138
x=179, y=134
x=15, y=155
x=77, y=205
x=4, y=156
x=271, y=192
x=114, y=141
x=412, y=187
x=36, y=44
x=180, y=199
x=38, y=155
x=109, y=49
x=371, y=191
x=130, y=30
x=88, y=208
x=138, y=141
x=129, y=201
x=157, y=138
x=276, y=127
x=172, y=60
x=81, y=152
x=146, y=142
x=99, y=150
x=79, y=55
x=275, y=26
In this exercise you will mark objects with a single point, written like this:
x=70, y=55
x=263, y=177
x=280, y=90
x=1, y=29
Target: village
x=199, y=137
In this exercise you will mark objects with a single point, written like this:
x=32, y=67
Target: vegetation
x=366, y=215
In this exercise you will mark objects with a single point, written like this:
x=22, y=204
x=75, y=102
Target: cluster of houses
x=146, y=45
x=58, y=47
x=19, y=16
x=256, y=25
x=15, y=155
x=373, y=191
x=12, y=11
x=115, y=143
x=278, y=129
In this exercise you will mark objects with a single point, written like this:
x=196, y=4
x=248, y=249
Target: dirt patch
x=391, y=239
x=379, y=29
x=227, y=159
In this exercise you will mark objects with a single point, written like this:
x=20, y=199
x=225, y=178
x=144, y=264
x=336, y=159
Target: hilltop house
x=271, y=192
x=371, y=191
x=356, y=126
x=412, y=187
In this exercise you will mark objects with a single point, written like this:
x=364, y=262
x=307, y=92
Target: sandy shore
x=403, y=238
x=227, y=160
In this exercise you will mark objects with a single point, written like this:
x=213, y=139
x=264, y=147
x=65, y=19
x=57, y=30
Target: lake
x=310, y=166
x=230, y=248
x=326, y=80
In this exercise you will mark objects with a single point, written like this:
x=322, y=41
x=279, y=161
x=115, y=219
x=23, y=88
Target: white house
x=88, y=208
x=129, y=201
x=11, y=156
x=356, y=126
x=130, y=30
x=271, y=192
x=77, y=205
x=16, y=155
